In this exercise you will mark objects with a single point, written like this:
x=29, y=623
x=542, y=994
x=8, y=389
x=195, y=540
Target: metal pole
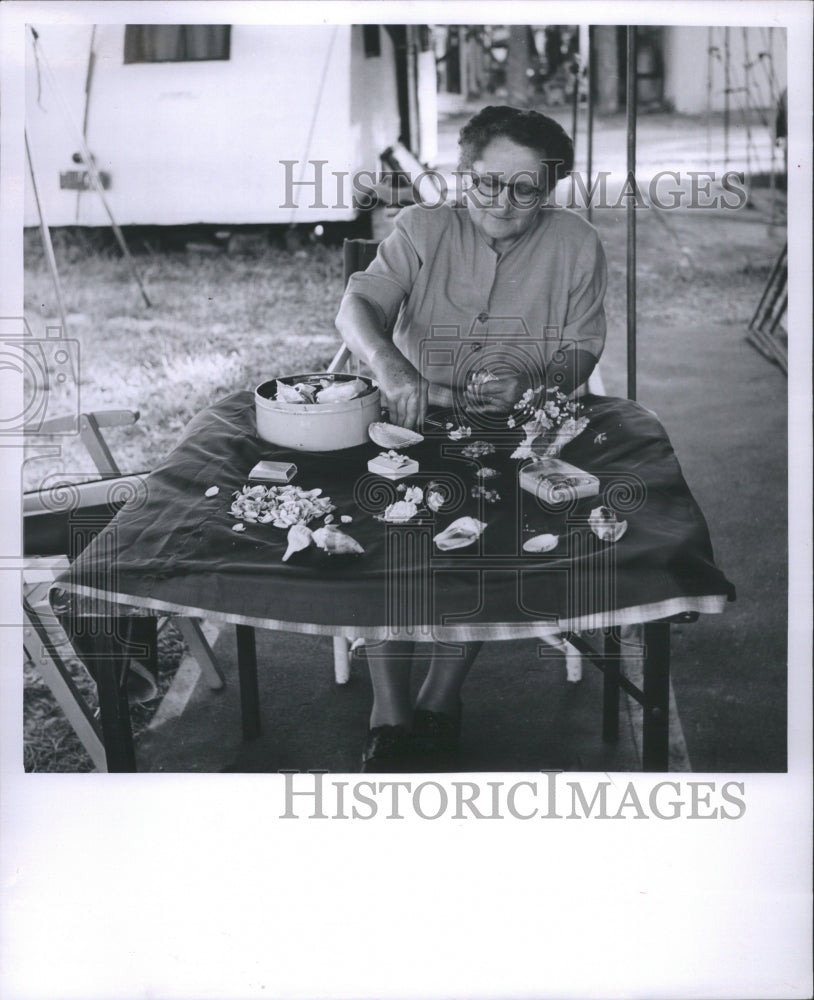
x=708, y=115
x=726, y=98
x=46, y=240
x=575, y=103
x=88, y=79
x=93, y=173
x=589, y=166
x=630, y=109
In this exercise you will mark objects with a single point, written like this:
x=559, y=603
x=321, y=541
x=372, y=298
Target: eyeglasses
x=521, y=193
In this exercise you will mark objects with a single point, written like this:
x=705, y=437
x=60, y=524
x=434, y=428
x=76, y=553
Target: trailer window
x=145, y=43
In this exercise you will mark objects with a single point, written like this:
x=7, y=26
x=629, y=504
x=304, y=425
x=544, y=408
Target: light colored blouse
x=456, y=306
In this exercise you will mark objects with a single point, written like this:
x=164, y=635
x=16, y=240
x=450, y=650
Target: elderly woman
x=502, y=283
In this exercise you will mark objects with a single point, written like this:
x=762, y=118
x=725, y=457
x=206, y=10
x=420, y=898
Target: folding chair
x=52, y=534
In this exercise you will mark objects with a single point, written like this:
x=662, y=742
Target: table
x=171, y=549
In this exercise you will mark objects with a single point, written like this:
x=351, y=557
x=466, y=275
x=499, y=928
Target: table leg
x=247, y=674
x=610, y=686
x=108, y=648
x=655, y=734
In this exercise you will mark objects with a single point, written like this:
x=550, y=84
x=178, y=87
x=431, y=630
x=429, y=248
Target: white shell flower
x=400, y=512
x=435, y=500
x=414, y=494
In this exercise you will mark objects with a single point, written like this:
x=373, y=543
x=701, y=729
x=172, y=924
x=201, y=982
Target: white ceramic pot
x=316, y=426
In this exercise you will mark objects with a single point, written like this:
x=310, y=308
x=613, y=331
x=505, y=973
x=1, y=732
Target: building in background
x=690, y=70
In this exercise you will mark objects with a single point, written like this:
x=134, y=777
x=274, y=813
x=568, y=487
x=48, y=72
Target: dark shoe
x=436, y=732
x=389, y=750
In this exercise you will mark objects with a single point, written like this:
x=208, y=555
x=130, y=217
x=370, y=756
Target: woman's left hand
x=496, y=396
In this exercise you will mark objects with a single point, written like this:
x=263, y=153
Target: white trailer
x=194, y=123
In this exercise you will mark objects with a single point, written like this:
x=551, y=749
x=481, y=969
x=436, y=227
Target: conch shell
x=460, y=533
x=603, y=524
x=393, y=436
x=541, y=543
x=299, y=538
x=338, y=392
x=336, y=542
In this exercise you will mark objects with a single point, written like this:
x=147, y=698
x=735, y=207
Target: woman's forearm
x=404, y=390
x=360, y=328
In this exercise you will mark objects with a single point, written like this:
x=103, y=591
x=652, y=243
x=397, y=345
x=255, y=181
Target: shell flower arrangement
x=414, y=501
x=548, y=425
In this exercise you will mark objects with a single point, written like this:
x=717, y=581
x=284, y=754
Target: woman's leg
x=389, y=664
x=441, y=690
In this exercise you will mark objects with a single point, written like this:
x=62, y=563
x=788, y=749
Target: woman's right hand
x=402, y=386
x=404, y=389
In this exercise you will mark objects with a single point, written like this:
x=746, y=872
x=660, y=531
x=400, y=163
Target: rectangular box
x=553, y=481
x=273, y=472
x=394, y=469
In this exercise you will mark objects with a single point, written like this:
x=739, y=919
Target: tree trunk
x=517, y=62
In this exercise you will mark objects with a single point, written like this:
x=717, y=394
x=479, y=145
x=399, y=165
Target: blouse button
x=482, y=317
x=477, y=346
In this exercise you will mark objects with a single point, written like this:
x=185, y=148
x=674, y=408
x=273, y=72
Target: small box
x=393, y=467
x=554, y=481
x=273, y=472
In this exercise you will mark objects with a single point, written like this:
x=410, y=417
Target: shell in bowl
x=392, y=436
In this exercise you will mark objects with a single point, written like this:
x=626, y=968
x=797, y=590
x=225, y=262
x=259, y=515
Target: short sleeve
x=585, y=318
x=389, y=279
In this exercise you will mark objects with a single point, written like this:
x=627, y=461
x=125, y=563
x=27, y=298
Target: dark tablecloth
x=173, y=549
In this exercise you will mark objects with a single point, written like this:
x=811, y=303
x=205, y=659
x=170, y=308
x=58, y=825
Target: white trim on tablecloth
x=706, y=604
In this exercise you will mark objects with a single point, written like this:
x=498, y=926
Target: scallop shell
x=342, y=391
x=393, y=436
x=299, y=538
x=541, y=543
x=460, y=533
x=336, y=542
x=603, y=524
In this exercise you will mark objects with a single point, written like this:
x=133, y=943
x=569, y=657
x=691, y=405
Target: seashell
x=288, y=393
x=541, y=543
x=392, y=436
x=346, y=519
x=602, y=522
x=299, y=538
x=308, y=392
x=460, y=533
x=399, y=512
x=212, y=491
x=238, y=527
x=338, y=392
x=336, y=542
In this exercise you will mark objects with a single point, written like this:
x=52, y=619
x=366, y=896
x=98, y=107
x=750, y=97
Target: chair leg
x=341, y=660
x=610, y=686
x=655, y=726
x=190, y=629
x=43, y=653
x=247, y=674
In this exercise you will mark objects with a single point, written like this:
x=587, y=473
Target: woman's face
x=500, y=213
